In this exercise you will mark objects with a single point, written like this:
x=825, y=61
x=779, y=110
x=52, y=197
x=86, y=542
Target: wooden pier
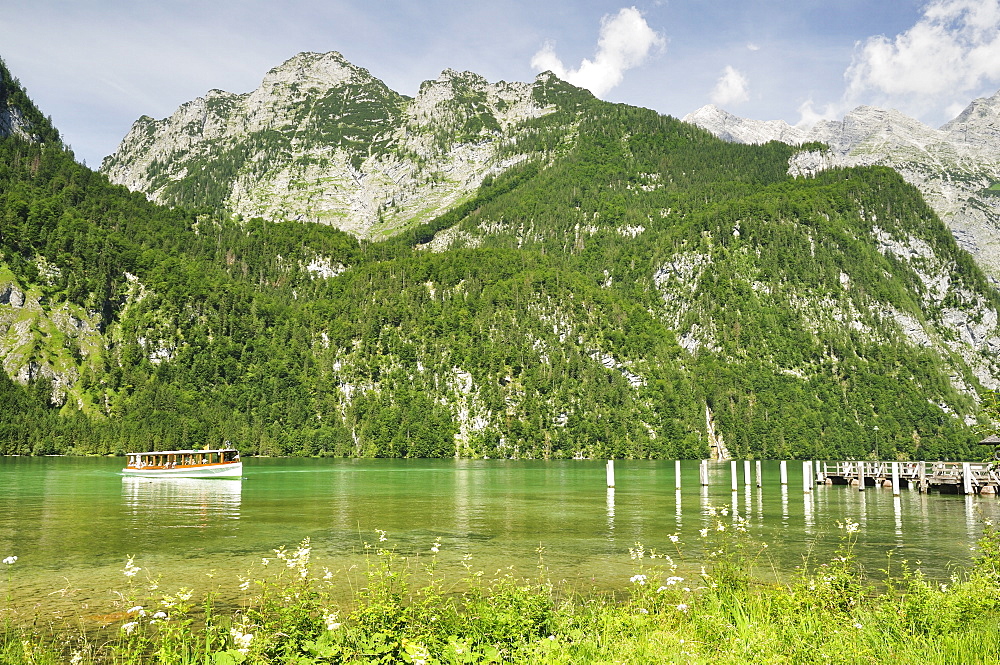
x=945, y=477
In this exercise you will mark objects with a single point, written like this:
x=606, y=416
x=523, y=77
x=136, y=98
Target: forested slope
x=633, y=289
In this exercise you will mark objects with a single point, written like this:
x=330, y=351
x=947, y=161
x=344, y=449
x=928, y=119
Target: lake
x=72, y=522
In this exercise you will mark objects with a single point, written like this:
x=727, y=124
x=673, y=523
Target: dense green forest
x=634, y=282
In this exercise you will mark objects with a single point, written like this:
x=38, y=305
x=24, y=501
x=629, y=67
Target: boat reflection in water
x=181, y=502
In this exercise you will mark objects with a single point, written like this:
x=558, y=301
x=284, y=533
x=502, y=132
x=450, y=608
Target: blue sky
x=97, y=65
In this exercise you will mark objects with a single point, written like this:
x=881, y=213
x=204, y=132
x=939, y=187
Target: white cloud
x=753, y=47
x=625, y=41
x=809, y=115
x=732, y=88
x=954, y=49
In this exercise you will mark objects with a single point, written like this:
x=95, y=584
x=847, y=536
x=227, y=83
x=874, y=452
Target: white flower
x=381, y=535
x=327, y=573
x=661, y=589
x=241, y=640
x=720, y=527
x=130, y=568
x=129, y=628
x=858, y=625
x=160, y=615
x=331, y=621
x=674, y=538
x=244, y=583
x=436, y=547
x=76, y=659
x=643, y=610
x=640, y=579
x=683, y=607
x=137, y=610
x=674, y=580
x=10, y=560
x=704, y=533
x=724, y=511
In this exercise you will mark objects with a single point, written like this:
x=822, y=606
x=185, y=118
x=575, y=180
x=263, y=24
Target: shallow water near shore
x=73, y=522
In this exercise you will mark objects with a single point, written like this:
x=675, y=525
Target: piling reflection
x=897, y=509
x=611, y=510
x=182, y=502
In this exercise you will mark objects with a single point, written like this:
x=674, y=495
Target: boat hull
x=232, y=470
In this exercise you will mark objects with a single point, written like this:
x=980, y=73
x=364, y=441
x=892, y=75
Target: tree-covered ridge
x=19, y=115
x=633, y=287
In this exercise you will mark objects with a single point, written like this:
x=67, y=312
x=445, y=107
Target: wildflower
x=160, y=615
x=327, y=573
x=720, y=527
x=10, y=560
x=436, y=547
x=858, y=626
x=241, y=640
x=643, y=610
x=674, y=580
x=637, y=552
x=265, y=561
x=661, y=589
x=944, y=587
x=849, y=526
x=704, y=533
x=244, y=583
x=76, y=659
x=381, y=535
x=130, y=568
x=129, y=628
x=724, y=511
x=330, y=619
x=137, y=610
x=674, y=538
x=640, y=579
x=683, y=607
x=185, y=594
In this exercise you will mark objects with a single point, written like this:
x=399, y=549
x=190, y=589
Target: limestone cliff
x=323, y=140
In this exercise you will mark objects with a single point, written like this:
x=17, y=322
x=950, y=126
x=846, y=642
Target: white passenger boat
x=208, y=463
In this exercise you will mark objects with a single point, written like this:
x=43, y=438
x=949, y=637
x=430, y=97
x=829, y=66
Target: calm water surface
x=72, y=522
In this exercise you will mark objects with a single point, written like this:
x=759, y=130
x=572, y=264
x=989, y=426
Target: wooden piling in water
x=703, y=472
x=736, y=479
x=677, y=474
x=758, y=474
x=746, y=473
x=783, y=472
x=895, y=478
x=807, y=483
x=611, y=472
x=861, y=475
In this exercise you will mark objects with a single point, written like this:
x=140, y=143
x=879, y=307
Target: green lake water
x=72, y=522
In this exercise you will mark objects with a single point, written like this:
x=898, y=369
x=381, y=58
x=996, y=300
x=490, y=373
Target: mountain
x=322, y=140
x=955, y=167
x=18, y=114
x=619, y=283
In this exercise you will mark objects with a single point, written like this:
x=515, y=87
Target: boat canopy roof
x=187, y=452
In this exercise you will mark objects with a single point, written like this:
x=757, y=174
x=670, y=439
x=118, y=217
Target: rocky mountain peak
x=732, y=128
x=323, y=140
x=953, y=167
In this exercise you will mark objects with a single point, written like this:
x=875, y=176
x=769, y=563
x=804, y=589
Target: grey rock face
x=953, y=166
x=322, y=140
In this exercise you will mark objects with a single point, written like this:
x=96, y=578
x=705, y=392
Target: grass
x=826, y=614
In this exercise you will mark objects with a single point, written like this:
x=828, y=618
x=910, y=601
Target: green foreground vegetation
x=676, y=609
